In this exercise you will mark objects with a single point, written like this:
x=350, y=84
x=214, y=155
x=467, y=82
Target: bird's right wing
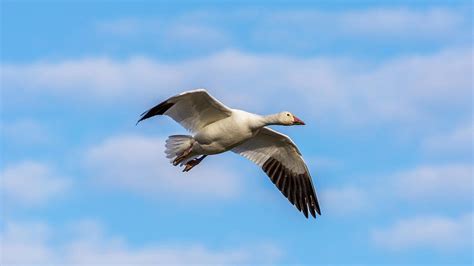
x=282, y=162
x=192, y=109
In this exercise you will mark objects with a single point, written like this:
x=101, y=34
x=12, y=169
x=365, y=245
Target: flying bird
x=218, y=128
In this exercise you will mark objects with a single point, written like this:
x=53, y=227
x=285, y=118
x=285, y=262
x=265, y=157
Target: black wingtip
x=318, y=210
x=298, y=189
x=157, y=110
x=305, y=212
x=142, y=118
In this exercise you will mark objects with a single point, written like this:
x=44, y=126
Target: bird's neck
x=268, y=120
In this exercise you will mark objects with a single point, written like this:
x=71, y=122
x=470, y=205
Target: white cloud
x=32, y=183
x=138, y=163
x=417, y=89
x=402, y=22
x=22, y=243
x=436, y=183
x=294, y=25
x=196, y=35
x=441, y=233
x=316, y=30
x=177, y=32
x=129, y=26
x=322, y=162
x=456, y=141
x=430, y=186
x=25, y=132
x=344, y=201
x=88, y=244
x=422, y=187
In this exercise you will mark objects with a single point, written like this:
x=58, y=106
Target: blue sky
x=385, y=89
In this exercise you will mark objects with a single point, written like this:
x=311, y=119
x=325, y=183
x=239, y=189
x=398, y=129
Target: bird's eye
x=287, y=114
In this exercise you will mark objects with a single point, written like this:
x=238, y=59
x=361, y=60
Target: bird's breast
x=223, y=135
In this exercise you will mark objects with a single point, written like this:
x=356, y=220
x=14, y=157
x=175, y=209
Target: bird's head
x=288, y=119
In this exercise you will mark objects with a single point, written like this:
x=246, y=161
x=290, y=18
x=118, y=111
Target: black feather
x=157, y=110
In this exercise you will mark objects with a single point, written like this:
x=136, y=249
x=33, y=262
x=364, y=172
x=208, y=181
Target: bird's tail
x=176, y=145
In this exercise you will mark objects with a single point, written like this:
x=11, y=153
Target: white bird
x=218, y=128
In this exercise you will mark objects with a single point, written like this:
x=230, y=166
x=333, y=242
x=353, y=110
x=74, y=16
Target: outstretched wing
x=282, y=162
x=192, y=109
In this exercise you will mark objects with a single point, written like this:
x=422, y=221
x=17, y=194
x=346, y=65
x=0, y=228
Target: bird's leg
x=183, y=156
x=190, y=165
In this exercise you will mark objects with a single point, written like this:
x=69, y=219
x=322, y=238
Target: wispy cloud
x=89, y=244
x=400, y=22
x=456, y=141
x=183, y=32
x=22, y=243
x=345, y=201
x=32, y=183
x=319, y=30
x=436, y=183
x=448, y=185
x=299, y=26
x=25, y=132
x=322, y=162
x=415, y=89
x=139, y=164
x=435, y=232
x=129, y=27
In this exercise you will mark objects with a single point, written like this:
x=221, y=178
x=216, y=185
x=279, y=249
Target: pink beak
x=297, y=121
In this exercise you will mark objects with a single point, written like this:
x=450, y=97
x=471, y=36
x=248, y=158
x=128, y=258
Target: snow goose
x=218, y=128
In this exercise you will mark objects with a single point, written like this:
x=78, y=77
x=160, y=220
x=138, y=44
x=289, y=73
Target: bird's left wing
x=282, y=162
x=192, y=109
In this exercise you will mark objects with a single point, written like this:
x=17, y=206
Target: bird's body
x=225, y=134
x=218, y=129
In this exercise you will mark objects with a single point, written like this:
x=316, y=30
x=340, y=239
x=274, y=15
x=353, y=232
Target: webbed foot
x=190, y=165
